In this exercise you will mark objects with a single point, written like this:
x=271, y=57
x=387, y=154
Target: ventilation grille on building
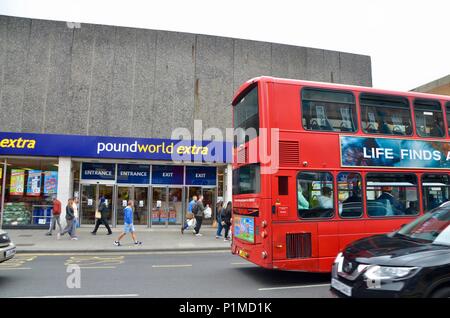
x=242, y=156
x=298, y=245
x=289, y=153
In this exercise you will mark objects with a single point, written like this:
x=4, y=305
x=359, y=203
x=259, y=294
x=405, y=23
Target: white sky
x=409, y=41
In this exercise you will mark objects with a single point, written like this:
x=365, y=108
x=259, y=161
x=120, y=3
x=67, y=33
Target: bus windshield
x=246, y=179
x=246, y=116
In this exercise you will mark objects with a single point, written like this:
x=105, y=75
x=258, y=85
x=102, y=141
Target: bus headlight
x=264, y=254
x=376, y=272
x=264, y=224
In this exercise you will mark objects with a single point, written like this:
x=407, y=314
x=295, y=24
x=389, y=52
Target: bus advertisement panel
x=244, y=228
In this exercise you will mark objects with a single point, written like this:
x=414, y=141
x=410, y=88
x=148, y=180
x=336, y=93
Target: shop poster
x=34, y=183
x=50, y=182
x=17, y=182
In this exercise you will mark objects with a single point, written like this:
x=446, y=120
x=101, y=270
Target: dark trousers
x=199, y=220
x=227, y=229
x=104, y=222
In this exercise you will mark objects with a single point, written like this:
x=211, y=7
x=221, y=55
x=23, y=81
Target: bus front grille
x=298, y=245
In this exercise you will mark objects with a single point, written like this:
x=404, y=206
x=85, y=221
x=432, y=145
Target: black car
x=411, y=262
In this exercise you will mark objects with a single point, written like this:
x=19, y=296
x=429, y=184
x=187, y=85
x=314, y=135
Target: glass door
x=140, y=205
x=209, y=199
x=123, y=195
x=106, y=191
x=90, y=199
x=175, y=205
x=159, y=206
x=88, y=203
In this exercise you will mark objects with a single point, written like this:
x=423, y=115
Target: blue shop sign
x=27, y=144
x=98, y=171
x=133, y=174
x=201, y=176
x=167, y=174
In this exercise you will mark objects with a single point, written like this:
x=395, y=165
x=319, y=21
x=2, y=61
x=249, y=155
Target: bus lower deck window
x=350, y=195
x=315, y=195
x=391, y=194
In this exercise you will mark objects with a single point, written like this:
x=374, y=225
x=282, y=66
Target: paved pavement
x=154, y=239
x=153, y=274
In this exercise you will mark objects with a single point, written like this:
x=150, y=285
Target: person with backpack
x=189, y=214
x=198, y=211
x=226, y=220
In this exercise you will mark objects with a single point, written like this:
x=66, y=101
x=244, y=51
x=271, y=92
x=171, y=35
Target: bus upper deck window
x=327, y=110
x=388, y=115
x=429, y=118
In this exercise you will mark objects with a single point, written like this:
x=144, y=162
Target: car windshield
x=433, y=227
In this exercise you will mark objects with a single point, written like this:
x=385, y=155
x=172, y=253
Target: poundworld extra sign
x=26, y=144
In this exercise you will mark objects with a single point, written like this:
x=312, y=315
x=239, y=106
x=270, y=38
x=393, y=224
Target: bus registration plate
x=346, y=290
x=243, y=254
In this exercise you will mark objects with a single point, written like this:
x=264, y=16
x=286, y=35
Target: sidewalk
x=156, y=239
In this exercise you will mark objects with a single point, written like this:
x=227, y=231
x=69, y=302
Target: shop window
x=315, y=195
x=436, y=188
x=391, y=194
x=350, y=195
x=328, y=110
x=388, y=115
x=30, y=187
x=429, y=118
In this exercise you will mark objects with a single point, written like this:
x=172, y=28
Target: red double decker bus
x=324, y=164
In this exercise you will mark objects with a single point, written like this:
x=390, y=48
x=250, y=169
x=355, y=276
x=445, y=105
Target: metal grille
x=298, y=245
x=289, y=153
x=242, y=155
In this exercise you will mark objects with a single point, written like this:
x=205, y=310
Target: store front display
x=145, y=170
x=29, y=188
x=165, y=187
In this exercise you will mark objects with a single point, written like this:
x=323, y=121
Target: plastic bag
x=208, y=213
x=191, y=223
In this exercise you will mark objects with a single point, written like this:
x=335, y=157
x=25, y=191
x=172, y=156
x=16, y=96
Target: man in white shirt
x=75, y=212
x=326, y=199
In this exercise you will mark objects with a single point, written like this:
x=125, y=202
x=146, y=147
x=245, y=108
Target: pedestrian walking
x=56, y=213
x=128, y=224
x=198, y=210
x=219, y=208
x=103, y=209
x=70, y=216
x=189, y=214
x=75, y=212
x=226, y=220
